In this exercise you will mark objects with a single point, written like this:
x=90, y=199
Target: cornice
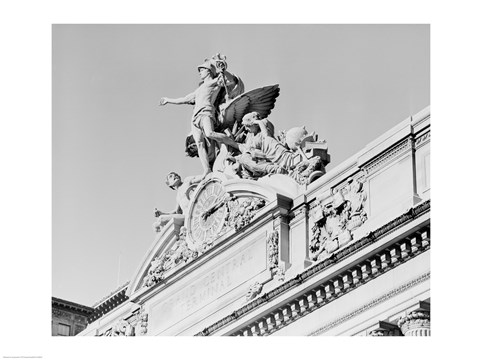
x=330, y=289
x=71, y=306
x=388, y=155
x=404, y=287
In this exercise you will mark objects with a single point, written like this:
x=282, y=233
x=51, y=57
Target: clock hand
x=216, y=206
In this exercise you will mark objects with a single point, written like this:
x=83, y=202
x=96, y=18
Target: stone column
x=415, y=323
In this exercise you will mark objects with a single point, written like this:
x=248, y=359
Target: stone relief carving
x=123, y=328
x=253, y=291
x=336, y=218
x=180, y=253
x=241, y=211
x=272, y=243
x=133, y=326
x=273, y=257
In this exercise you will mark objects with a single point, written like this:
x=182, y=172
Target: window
x=63, y=330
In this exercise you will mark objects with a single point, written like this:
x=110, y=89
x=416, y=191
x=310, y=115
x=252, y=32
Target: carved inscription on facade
x=210, y=286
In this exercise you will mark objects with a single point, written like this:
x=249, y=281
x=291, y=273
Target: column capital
x=415, y=323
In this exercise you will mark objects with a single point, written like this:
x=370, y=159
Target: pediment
x=172, y=248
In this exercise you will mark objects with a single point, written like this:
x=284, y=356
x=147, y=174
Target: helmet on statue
x=209, y=65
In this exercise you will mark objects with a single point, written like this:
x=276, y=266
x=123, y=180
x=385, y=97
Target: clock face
x=207, y=213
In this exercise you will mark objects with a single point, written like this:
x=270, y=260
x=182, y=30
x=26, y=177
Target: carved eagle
x=261, y=100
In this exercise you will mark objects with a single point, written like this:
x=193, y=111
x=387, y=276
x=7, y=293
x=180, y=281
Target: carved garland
x=180, y=253
x=273, y=256
x=336, y=218
x=241, y=211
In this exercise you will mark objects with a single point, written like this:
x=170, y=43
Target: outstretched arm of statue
x=189, y=99
x=159, y=213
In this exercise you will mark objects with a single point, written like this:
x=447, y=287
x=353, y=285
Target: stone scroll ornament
x=336, y=218
x=180, y=253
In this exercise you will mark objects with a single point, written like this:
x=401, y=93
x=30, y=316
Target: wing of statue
x=261, y=100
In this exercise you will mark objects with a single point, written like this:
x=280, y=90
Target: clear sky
x=113, y=145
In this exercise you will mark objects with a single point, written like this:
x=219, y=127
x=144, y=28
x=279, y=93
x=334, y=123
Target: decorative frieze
x=335, y=218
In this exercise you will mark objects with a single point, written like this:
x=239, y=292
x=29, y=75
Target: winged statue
x=261, y=100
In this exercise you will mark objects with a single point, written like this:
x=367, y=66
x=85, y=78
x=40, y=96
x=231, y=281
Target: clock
x=206, y=214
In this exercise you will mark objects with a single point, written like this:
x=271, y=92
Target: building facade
x=69, y=318
x=347, y=254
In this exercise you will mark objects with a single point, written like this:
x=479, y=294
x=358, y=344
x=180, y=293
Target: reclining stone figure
x=262, y=154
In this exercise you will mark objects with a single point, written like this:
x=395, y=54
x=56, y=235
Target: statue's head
x=248, y=121
x=173, y=180
x=251, y=126
x=207, y=68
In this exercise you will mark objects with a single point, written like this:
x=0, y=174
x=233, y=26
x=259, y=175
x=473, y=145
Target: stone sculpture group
x=231, y=134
